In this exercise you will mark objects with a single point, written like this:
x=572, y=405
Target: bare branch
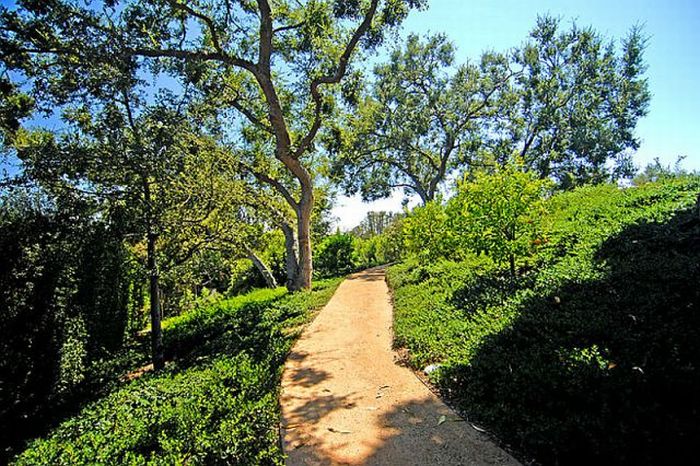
x=196, y=55
x=288, y=27
x=265, y=178
x=237, y=104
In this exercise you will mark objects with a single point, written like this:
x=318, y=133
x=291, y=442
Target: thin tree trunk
x=153, y=278
x=511, y=259
x=264, y=270
x=156, y=331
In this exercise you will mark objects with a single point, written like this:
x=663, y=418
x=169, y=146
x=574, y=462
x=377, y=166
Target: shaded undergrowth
x=591, y=356
x=216, y=402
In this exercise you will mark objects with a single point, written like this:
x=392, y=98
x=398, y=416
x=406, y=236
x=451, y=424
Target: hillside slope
x=593, y=353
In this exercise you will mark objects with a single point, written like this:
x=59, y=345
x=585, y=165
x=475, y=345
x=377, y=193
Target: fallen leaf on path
x=444, y=419
x=336, y=431
x=477, y=428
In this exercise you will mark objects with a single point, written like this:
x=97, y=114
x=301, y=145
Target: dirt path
x=346, y=401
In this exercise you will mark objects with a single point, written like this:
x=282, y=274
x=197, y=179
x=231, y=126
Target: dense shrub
x=591, y=356
x=427, y=233
x=499, y=213
x=335, y=255
x=216, y=402
x=66, y=284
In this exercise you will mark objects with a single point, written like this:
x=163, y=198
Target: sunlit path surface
x=346, y=401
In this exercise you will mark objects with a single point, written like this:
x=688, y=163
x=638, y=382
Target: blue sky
x=673, y=27
x=671, y=127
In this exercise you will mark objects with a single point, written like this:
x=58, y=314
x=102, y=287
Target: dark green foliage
x=64, y=282
x=591, y=356
x=215, y=403
x=377, y=241
x=578, y=97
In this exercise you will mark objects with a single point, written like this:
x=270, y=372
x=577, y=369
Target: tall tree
x=277, y=58
x=422, y=119
x=121, y=150
x=578, y=101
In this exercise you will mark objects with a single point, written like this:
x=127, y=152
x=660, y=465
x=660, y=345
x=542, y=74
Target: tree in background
x=567, y=101
x=499, y=213
x=578, y=100
x=336, y=255
x=422, y=119
x=375, y=223
x=119, y=149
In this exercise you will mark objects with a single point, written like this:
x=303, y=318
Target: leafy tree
x=656, y=171
x=125, y=152
x=578, y=101
x=422, y=119
x=499, y=213
x=271, y=61
x=375, y=223
x=427, y=234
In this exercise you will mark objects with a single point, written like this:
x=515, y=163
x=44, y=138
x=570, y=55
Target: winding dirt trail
x=346, y=401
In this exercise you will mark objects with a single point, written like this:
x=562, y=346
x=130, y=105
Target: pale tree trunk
x=304, y=236
x=264, y=270
x=290, y=258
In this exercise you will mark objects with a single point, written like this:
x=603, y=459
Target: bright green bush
x=427, y=234
x=216, y=403
x=499, y=213
x=336, y=255
x=592, y=356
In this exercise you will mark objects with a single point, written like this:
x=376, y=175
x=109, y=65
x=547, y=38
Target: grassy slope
x=593, y=355
x=216, y=403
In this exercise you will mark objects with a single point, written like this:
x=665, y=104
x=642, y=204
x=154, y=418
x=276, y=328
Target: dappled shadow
x=306, y=376
x=602, y=369
x=417, y=432
x=372, y=274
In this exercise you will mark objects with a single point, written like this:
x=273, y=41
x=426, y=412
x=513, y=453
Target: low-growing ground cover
x=592, y=355
x=216, y=402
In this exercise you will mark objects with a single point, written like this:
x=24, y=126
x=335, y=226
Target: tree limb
x=334, y=78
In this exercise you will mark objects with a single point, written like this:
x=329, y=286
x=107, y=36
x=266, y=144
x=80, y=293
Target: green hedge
x=591, y=355
x=216, y=402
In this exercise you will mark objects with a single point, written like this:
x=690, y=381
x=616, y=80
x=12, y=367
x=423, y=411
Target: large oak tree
x=277, y=56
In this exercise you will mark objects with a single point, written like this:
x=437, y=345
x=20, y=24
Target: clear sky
x=670, y=129
x=673, y=26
